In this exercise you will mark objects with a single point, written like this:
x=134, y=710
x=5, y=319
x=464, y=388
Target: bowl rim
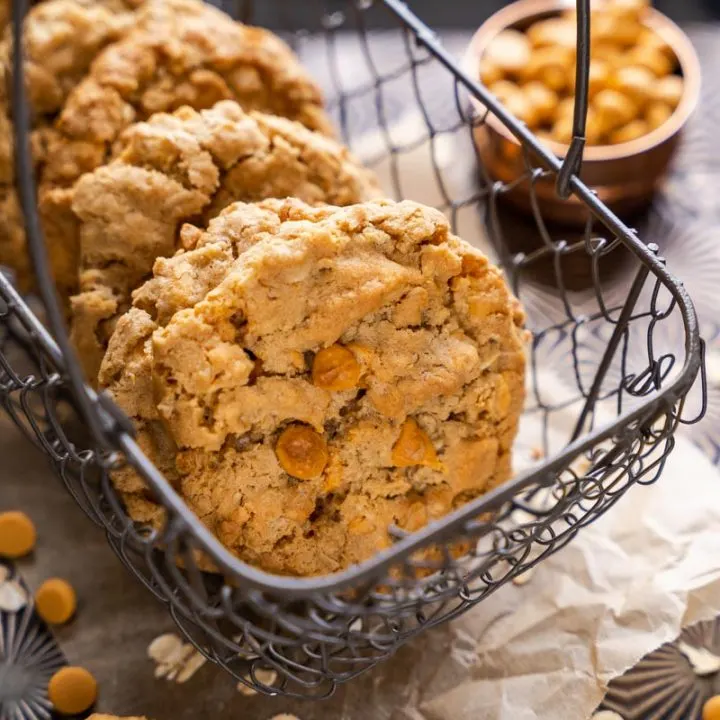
x=674, y=36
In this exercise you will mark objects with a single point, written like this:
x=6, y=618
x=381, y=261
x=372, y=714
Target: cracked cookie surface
x=175, y=168
x=306, y=377
x=93, y=71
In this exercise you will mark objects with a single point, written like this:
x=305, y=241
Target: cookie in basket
x=307, y=376
x=92, y=72
x=178, y=167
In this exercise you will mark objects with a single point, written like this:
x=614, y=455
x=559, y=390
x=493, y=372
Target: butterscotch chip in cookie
x=301, y=452
x=335, y=368
x=174, y=168
x=123, y=68
x=294, y=477
x=413, y=447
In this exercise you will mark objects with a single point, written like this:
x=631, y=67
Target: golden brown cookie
x=308, y=376
x=178, y=167
x=92, y=72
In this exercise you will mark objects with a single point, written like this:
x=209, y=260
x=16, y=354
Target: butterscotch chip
x=335, y=368
x=651, y=58
x=628, y=9
x=598, y=77
x=711, y=709
x=292, y=477
x=542, y=99
x=174, y=168
x=55, y=601
x=17, y=534
x=72, y=690
x=566, y=107
x=562, y=130
x=489, y=72
x=301, y=452
x=632, y=131
x=650, y=39
x=668, y=90
x=523, y=110
x=509, y=51
x=549, y=65
x=414, y=447
x=613, y=109
x=504, y=90
x=515, y=101
x=92, y=73
x=634, y=82
x=657, y=113
x=556, y=32
x=610, y=54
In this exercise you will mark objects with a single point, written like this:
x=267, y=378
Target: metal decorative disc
x=29, y=656
x=672, y=682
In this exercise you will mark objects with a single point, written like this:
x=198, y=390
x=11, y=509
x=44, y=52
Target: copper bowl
x=623, y=175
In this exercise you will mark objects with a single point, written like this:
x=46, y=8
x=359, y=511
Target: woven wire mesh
x=400, y=98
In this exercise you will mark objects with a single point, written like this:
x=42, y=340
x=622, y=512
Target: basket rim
x=296, y=587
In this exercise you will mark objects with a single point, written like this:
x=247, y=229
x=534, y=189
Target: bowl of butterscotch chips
x=643, y=85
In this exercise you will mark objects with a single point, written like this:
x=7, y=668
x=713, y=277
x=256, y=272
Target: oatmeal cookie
x=92, y=72
x=307, y=376
x=178, y=167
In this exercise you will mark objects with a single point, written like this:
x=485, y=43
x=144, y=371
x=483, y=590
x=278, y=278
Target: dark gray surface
x=455, y=14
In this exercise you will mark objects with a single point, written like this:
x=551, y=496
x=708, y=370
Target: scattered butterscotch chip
x=17, y=534
x=509, y=50
x=657, y=113
x=301, y=452
x=413, y=447
x=72, y=690
x=711, y=709
x=668, y=90
x=632, y=131
x=537, y=453
x=335, y=368
x=55, y=601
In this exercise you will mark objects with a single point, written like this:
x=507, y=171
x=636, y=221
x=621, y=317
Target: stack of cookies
x=307, y=362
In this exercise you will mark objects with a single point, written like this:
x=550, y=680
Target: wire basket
x=624, y=400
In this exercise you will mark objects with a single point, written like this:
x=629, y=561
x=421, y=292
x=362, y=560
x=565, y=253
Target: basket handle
x=573, y=158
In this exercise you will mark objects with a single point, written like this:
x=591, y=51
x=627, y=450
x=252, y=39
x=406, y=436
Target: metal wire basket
x=318, y=632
